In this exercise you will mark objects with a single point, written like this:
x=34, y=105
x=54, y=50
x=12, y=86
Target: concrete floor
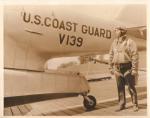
x=105, y=92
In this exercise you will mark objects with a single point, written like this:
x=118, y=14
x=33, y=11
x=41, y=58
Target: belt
x=124, y=65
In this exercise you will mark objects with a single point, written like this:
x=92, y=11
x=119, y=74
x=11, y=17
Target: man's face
x=118, y=32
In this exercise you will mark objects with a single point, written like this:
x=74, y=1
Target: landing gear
x=89, y=102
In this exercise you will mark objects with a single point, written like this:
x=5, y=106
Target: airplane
x=35, y=34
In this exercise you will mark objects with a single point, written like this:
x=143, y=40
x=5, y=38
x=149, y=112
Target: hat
x=122, y=29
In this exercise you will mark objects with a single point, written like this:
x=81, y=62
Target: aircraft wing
x=138, y=32
x=133, y=17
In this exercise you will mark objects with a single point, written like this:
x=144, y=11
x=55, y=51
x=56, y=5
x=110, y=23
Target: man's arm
x=134, y=57
x=111, y=55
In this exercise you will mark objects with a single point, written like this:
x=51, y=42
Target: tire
x=88, y=105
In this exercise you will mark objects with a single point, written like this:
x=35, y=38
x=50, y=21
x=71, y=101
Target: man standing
x=124, y=65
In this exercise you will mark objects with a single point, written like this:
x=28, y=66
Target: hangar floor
x=105, y=92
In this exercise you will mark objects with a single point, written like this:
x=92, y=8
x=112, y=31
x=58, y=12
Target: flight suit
x=124, y=60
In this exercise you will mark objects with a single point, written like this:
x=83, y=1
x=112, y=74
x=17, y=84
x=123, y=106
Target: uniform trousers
x=128, y=80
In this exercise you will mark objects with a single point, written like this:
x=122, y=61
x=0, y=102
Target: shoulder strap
x=127, y=44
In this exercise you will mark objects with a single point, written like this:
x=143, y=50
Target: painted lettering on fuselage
x=66, y=39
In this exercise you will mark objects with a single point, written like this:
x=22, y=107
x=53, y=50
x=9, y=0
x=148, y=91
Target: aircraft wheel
x=90, y=103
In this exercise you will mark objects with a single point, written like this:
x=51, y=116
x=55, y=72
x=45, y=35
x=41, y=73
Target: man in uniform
x=124, y=65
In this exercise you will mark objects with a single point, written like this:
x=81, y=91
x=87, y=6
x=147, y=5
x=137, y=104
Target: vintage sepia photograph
x=75, y=60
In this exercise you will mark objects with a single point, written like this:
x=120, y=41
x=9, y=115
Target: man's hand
x=134, y=73
x=111, y=71
x=117, y=74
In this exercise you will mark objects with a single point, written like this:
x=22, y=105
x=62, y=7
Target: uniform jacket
x=124, y=50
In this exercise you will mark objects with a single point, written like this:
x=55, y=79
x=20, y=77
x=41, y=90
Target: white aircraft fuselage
x=52, y=31
x=55, y=31
x=34, y=34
